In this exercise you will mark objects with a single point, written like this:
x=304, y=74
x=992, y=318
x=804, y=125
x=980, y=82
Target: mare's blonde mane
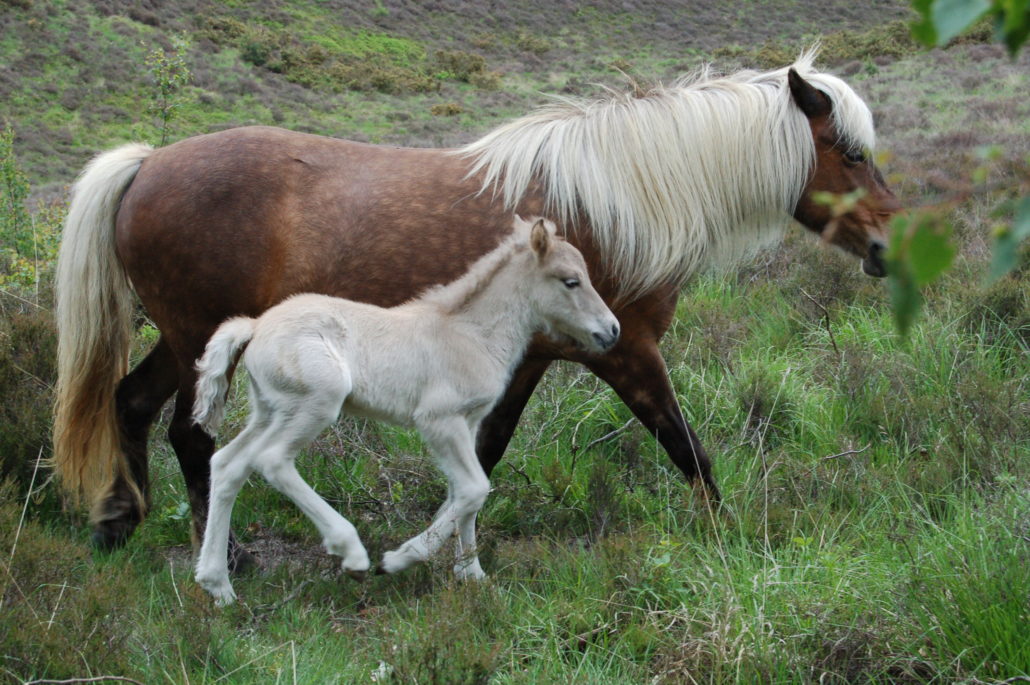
x=700, y=172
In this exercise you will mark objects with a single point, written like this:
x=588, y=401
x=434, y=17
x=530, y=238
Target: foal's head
x=560, y=292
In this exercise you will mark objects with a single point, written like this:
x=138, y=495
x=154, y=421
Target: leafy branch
x=920, y=248
x=169, y=75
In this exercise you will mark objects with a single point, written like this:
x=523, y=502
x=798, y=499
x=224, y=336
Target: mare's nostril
x=615, y=330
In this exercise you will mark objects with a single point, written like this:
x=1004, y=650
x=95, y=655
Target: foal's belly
x=353, y=407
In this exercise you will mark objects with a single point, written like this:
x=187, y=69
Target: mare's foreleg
x=138, y=399
x=637, y=373
x=499, y=425
x=452, y=445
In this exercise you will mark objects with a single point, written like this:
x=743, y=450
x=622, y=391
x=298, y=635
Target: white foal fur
x=438, y=363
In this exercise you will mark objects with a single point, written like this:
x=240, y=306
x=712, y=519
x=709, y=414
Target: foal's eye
x=571, y=283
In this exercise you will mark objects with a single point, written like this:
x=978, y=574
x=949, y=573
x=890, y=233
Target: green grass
x=874, y=530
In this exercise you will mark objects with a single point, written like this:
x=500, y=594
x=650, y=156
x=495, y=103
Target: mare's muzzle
x=873, y=264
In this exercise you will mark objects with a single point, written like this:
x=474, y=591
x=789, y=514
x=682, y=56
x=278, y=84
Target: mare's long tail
x=213, y=371
x=94, y=329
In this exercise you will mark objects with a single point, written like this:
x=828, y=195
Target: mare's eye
x=854, y=156
x=571, y=283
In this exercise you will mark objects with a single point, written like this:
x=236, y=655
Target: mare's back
x=236, y=221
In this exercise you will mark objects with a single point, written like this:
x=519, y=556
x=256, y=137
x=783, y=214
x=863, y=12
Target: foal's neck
x=488, y=298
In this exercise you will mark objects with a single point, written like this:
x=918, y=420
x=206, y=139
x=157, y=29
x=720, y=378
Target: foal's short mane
x=703, y=171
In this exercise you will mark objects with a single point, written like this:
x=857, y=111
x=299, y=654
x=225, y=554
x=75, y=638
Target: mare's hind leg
x=138, y=399
x=637, y=373
x=194, y=447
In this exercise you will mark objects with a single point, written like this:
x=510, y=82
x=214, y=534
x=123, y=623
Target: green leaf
x=1014, y=23
x=906, y=300
x=930, y=250
x=952, y=17
x=922, y=28
x=904, y=293
x=1006, y=245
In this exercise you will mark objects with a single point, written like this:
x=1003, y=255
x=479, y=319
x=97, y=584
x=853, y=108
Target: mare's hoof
x=380, y=571
x=112, y=534
x=355, y=574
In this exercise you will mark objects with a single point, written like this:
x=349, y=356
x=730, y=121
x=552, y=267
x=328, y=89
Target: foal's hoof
x=356, y=575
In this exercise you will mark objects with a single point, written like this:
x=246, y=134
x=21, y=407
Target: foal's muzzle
x=606, y=341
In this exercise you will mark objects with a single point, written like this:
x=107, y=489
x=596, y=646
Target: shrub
x=446, y=109
x=486, y=80
x=28, y=349
x=532, y=43
x=460, y=64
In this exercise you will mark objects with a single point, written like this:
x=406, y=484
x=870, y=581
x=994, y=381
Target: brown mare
x=649, y=188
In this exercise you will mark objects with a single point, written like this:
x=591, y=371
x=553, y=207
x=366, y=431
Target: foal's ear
x=540, y=239
x=809, y=99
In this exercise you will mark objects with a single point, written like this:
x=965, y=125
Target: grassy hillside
x=877, y=526
x=76, y=80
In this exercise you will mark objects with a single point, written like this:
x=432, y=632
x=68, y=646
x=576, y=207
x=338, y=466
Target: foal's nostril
x=606, y=342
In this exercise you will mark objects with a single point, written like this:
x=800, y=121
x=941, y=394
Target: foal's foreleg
x=452, y=445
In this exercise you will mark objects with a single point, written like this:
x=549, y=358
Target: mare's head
x=559, y=290
x=843, y=169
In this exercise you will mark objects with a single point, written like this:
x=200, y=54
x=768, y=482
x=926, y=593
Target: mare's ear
x=540, y=239
x=809, y=99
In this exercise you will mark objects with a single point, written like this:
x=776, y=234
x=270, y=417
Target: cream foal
x=438, y=363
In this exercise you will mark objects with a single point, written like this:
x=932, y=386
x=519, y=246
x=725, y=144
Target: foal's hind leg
x=138, y=399
x=194, y=448
x=230, y=467
x=281, y=442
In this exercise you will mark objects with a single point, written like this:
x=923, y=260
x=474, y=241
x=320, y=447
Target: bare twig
x=608, y=436
x=25, y=508
x=826, y=319
x=21, y=299
x=848, y=453
x=272, y=608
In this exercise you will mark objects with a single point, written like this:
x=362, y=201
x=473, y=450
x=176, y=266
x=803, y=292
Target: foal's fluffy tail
x=213, y=371
x=94, y=329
